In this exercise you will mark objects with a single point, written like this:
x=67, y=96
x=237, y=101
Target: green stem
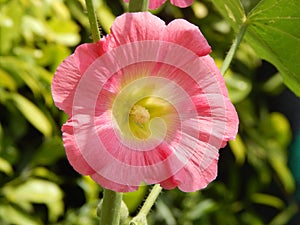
x=141, y=216
x=233, y=48
x=138, y=5
x=111, y=208
x=93, y=20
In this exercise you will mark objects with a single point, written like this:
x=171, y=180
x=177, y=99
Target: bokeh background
x=259, y=172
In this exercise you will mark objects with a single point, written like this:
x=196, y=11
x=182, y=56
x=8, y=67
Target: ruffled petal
x=131, y=27
x=74, y=155
x=64, y=84
x=196, y=179
x=70, y=71
x=187, y=35
x=108, y=184
x=232, y=120
x=182, y=3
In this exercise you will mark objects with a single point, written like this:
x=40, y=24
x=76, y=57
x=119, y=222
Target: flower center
x=139, y=114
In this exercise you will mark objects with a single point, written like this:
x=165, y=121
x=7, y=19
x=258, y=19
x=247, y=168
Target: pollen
x=139, y=114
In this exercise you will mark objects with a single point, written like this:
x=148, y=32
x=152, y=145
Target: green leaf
x=201, y=209
x=66, y=34
x=281, y=129
x=273, y=32
x=6, y=81
x=14, y=215
x=238, y=87
x=232, y=11
x=284, y=217
x=38, y=191
x=239, y=149
x=165, y=212
x=10, y=25
x=283, y=172
x=267, y=199
x=91, y=189
x=274, y=85
x=274, y=35
x=106, y=17
x=33, y=114
x=5, y=167
x=50, y=151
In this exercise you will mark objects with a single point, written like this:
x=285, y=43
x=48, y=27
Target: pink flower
x=145, y=104
x=154, y=4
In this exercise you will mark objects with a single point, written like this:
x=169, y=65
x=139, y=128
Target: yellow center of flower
x=139, y=114
x=141, y=111
x=144, y=111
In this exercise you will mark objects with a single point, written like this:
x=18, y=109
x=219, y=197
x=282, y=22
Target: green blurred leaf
x=33, y=27
x=238, y=87
x=106, y=17
x=5, y=166
x=165, y=212
x=22, y=72
x=38, y=191
x=201, y=209
x=6, y=81
x=274, y=85
x=50, y=151
x=66, y=34
x=285, y=215
x=239, y=149
x=10, y=25
x=281, y=129
x=53, y=55
x=32, y=113
x=251, y=218
x=91, y=189
x=276, y=130
x=267, y=199
x=13, y=215
x=283, y=172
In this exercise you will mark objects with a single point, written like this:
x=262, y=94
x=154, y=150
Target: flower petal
x=187, y=35
x=154, y=4
x=70, y=72
x=182, y=3
x=108, y=184
x=64, y=83
x=86, y=54
x=74, y=155
x=196, y=179
x=131, y=27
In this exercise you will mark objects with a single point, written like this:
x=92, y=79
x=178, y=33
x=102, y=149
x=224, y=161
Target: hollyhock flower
x=146, y=104
x=154, y=4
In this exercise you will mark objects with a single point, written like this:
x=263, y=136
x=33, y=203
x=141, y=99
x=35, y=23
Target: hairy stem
x=141, y=216
x=111, y=208
x=233, y=48
x=93, y=20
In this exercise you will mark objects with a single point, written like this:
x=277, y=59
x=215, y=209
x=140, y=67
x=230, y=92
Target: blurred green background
x=256, y=185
